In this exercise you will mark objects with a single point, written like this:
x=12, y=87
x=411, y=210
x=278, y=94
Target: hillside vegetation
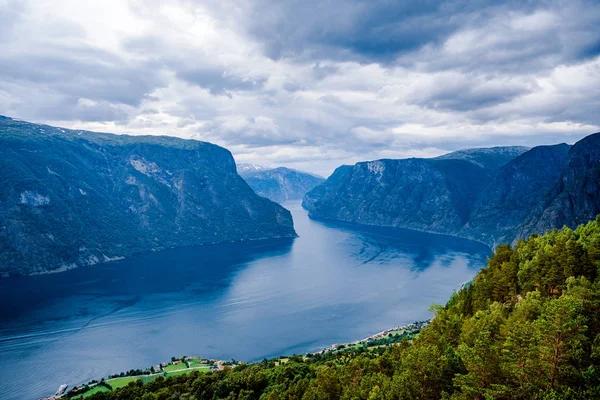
x=527, y=327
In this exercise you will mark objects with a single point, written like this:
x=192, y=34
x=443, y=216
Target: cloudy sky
x=310, y=84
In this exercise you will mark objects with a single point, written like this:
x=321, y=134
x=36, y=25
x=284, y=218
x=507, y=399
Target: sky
x=308, y=84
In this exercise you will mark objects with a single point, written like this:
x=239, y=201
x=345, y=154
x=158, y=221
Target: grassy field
x=147, y=379
x=172, y=367
x=95, y=389
x=120, y=382
x=196, y=363
x=114, y=383
x=187, y=371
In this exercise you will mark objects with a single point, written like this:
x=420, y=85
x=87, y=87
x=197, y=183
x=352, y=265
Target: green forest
x=526, y=327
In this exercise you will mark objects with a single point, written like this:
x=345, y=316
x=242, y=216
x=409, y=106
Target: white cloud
x=318, y=95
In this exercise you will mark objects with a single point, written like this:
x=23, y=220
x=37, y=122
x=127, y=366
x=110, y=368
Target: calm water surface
x=335, y=283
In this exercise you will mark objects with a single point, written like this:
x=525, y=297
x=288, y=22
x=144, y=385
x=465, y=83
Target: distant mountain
x=279, y=184
x=491, y=195
x=492, y=158
x=71, y=198
x=243, y=169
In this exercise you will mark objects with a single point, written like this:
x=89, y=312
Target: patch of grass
x=196, y=363
x=95, y=389
x=146, y=379
x=187, y=371
x=121, y=382
x=173, y=367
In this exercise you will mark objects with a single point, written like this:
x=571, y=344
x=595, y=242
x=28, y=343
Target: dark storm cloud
x=416, y=31
x=363, y=30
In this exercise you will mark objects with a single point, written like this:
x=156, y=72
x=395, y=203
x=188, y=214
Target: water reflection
x=335, y=283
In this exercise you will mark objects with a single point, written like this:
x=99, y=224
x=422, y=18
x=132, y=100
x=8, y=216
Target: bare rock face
x=491, y=195
x=71, y=198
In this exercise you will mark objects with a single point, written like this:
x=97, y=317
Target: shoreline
x=166, y=369
x=66, y=268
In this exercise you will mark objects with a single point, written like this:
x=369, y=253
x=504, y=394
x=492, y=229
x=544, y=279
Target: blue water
x=247, y=301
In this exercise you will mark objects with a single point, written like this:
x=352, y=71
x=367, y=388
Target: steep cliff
x=71, y=198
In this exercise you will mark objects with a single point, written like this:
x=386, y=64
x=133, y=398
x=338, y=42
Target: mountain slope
x=514, y=192
x=424, y=194
x=575, y=198
x=280, y=184
x=71, y=198
x=485, y=199
x=491, y=158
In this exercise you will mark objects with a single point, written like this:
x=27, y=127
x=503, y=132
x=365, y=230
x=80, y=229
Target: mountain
x=422, y=194
x=279, y=184
x=491, y=195
x=575, y=198
x=514, y=192
x=434, y=195
x=71, y=198
x=491, y=158
x=250, y=168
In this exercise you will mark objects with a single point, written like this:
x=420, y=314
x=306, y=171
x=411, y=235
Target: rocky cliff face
x=492, y=195
x=279, y=184
x=72, y=198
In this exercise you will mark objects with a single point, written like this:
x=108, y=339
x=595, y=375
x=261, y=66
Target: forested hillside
x=527, y=327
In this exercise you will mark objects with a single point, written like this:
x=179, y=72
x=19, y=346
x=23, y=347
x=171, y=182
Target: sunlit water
x=247, y=301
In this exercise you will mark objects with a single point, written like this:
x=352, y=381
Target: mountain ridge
x=491, y=201
x=65, y=191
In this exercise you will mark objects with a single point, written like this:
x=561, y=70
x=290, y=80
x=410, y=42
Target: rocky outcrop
x=71, y=198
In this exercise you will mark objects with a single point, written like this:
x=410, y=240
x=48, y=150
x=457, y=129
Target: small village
x=399, y=333
x=185, y=365
x=177, y=366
